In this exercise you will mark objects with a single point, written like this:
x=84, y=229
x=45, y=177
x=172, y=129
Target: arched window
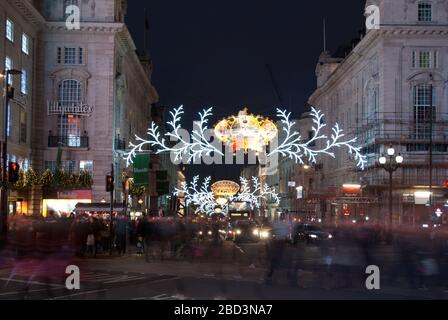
x=69, y=92
x=424, y=11
x=69, y=126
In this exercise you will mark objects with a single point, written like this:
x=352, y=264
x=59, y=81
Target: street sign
x=439, y=212
x=141, y=170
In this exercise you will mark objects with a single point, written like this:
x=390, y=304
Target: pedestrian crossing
x=164, y=296
x=32, y=272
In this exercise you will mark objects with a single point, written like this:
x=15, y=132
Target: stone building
x=20, y=23
x=380, y=92
x=93, y=94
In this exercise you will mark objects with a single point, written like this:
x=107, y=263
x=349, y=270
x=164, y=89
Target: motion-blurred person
x=276, y=248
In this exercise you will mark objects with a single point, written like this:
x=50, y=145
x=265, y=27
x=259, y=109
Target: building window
x=86, y=166
x=8, y=125
x=24, y=82
x=69, y=92
x=70, y=55
x=9, y=30
x=23, y=131
x=59, y=55
x=66, y=166
x=26, y=164
x=424, y=110
x=435, y=55
x=69, y=126
x=8, y=66
x=80, y=56
x=50, y=165
x=425, y=12
x=25, y=43
x=425, y=59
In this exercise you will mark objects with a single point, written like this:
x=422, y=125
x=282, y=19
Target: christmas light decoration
x=199, y=196
x=241, y=133
x=206, y=201
x=246, y=131
x=259, y=192
x=294, y=147
x=194, y=149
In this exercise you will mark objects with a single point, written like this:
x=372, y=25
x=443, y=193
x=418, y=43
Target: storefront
x=64, y=204
x=17, y=205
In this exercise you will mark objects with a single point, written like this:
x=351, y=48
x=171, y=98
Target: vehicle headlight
x=200, y=233
x=313, y=236
x=238, y=231
x=209, y=233
x=330, y=236
x=265, y=234
x=256, y=232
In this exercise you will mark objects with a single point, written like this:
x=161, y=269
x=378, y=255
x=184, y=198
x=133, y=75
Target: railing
x=405, y=177
x=401, y=128
x=68, y=141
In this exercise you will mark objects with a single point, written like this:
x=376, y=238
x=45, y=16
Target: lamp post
x=391, y=163
x=9, y=94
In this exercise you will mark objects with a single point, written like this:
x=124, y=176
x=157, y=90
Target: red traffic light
x=109, y=183
x=13, y=172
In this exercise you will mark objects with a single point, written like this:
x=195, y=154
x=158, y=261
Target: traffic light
x=10, y=92
x=109, y=183
x=13, y=172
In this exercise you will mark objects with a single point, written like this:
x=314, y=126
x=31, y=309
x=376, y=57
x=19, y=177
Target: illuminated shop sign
x=80, y=109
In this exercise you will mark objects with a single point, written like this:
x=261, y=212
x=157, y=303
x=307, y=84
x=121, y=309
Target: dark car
x=310, y=233
x=246, y=231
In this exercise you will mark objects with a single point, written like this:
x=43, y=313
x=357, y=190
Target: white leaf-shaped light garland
x=292, y=146
x=203, y=200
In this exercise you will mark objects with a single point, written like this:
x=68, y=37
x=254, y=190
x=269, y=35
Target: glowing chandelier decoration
x=207, y=199
x=224, y=190
x=248, y=132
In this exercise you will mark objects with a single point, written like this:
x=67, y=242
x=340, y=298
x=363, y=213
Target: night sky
x=214, y=53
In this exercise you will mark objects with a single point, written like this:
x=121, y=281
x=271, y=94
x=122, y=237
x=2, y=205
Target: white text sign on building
x=79, y=109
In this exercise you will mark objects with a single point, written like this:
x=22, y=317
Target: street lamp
x=391, y=164
x=9, y=94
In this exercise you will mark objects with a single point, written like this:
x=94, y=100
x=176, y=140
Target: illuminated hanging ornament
x=224, y=190
x=246, y=132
